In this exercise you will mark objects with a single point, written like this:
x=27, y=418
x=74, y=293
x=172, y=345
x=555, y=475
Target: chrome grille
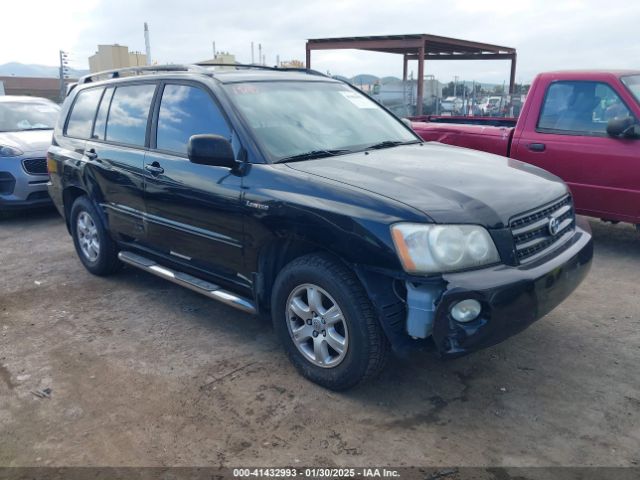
x=532, y=235
x=35, y=166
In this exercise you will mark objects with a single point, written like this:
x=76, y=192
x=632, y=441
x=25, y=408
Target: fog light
x=466, y=310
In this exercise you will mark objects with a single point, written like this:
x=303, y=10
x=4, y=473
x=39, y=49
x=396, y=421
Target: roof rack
x=239, y=66
x=193, y=68
x=118, y=72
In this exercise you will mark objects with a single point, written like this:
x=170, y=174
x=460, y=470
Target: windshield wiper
x=36, y=128
x=312, y=154
x=389, y=144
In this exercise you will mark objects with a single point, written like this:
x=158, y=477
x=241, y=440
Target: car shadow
x=33, y=215
x=420, y=389
x=620, y=239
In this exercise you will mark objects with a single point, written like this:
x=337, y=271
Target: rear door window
x=186, y=110
x=101, y=117
x=129, y=113
x=580, y=108
x=83, y=112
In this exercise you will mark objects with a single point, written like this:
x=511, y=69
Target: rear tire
x=95, y=247
x=327, y=324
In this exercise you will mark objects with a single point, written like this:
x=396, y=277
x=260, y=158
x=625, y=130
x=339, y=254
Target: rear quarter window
x=83, y=112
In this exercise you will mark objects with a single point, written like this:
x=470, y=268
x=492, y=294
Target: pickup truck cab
x=290, y=194
x=581, y=126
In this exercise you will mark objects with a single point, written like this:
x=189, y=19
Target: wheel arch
x=389, y=308
x=69, y=195
x=273, y=257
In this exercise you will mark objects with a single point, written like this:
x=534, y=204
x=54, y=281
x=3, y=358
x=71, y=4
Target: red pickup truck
x=581, y=126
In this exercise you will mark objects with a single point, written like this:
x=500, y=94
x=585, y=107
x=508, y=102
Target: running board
x=209, y=289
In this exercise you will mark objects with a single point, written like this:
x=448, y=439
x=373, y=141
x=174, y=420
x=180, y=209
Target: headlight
x=442, y=248
x=9, y=151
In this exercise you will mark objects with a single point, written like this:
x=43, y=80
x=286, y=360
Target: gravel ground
x=143, y=372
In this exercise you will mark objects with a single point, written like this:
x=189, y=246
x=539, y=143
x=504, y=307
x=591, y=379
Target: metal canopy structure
x=419, y=47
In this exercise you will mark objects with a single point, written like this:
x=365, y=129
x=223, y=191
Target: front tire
x=327, y=324
x=95, y=248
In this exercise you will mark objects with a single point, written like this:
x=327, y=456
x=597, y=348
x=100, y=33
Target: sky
x=548, y=35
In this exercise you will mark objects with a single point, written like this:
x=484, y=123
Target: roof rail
x=239, y=66
x=116, y=73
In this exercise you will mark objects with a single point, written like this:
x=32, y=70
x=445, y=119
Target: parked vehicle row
x=582, y=126
x=294, y=195
x=26, y=125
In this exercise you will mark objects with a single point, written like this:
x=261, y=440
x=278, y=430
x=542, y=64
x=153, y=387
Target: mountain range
x=32, y=70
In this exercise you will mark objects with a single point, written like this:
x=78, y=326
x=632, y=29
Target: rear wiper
x=312, y=154
x=390, y=143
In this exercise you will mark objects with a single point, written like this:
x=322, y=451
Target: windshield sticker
x=45, y=109
x=244, y=89
x=358, y=100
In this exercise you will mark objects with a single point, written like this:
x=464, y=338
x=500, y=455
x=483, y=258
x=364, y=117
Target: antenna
x=147, y=43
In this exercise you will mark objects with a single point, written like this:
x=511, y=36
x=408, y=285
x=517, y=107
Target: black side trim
x=165, y=222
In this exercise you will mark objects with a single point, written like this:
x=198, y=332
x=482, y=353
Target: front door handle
x=154, y=168
x=537, y=147
x=91, y=154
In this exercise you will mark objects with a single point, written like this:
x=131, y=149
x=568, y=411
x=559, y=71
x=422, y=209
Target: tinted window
x=187, y=111
x=580, y=107
x=101, y=118
x=83, y=113
x=127, y=122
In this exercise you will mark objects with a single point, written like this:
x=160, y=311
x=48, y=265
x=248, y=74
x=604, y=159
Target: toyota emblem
x=554, y=225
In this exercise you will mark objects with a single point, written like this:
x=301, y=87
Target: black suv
x=292, y=194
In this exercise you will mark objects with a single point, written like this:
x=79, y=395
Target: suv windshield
x=20, y=116
x=633, y=83
x=298, y=120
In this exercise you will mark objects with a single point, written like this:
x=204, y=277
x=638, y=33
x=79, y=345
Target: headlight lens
x=6, y=151
x=442, y=248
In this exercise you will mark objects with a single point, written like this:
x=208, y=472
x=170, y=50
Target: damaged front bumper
x=512, y=297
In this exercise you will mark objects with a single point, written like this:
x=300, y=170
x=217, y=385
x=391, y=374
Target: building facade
x=109, y=57
x=32, y=87
x=224, y=58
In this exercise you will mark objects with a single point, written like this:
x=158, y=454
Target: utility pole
x=64, y=73
x=252, y=61
x=214, y=49
x=277, y=61
x=464, y=98
x=147, y=43
x=259, y=53
x=455, y=86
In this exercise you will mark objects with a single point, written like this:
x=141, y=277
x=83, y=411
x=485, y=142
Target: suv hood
x=449, y=184
x=28, y=140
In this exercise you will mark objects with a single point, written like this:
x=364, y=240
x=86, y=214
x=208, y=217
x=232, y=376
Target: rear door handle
x=537, y=147
x=91, y=154
x=154, y=168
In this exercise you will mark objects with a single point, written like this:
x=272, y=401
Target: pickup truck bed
x=567, y=126
x=471, y=132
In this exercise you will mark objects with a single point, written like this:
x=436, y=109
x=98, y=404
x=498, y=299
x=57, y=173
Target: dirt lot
x=143, y=372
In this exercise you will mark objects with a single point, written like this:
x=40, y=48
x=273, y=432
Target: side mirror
x=407, y=122
x=211, y=150
x=623, y=127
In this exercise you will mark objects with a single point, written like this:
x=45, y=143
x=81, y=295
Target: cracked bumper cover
x=512, y=297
